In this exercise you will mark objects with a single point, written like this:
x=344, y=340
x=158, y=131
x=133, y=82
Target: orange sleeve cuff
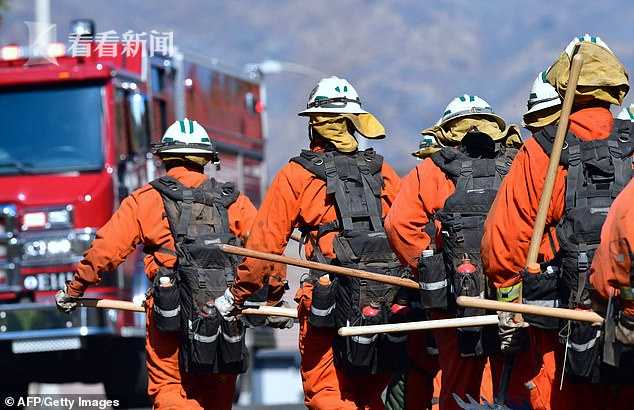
x=512, y=281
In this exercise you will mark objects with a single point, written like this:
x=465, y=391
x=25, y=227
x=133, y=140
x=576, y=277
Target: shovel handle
x=423, y=325
x=553, y=163
x=559, y=313
x=339, y=270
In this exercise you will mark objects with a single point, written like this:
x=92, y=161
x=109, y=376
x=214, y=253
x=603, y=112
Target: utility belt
x=184, y=303
x=441, y=282
x=346, y=301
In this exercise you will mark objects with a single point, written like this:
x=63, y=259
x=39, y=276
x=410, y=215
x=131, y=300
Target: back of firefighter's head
x=543, y=104
x=468, y=121
x=335, y=114
x=603, y=79
x=186, y=143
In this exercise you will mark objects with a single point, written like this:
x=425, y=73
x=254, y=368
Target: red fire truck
x=75, y=141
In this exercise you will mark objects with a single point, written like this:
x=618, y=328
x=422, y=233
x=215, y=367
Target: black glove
x=64, y=302
x=280, y=322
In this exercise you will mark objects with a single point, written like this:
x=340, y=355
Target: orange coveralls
x=423, y=192
x=507, y=234
x=139, y=220
x=297, y=198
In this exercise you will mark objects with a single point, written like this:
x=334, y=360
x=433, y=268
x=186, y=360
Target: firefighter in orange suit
x=468, y=125
x=303, y=197
x=508, y=229
x=141, y=220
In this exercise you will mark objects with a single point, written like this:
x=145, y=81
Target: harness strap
x=186, y=213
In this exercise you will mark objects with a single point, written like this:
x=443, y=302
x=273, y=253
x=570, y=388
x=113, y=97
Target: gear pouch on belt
x=232, y=344
x=204, y=337
x=322, y=309
x=433, y=281
x=584, y=348
x=362, y=351
x=393, y=346
x=167, y=308
x=541, y=290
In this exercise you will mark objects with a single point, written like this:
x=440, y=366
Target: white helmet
x=543, y=95
x=333, y=95
x=185, y=137
x=627, y=113
x=467, y=106
x=587, y=38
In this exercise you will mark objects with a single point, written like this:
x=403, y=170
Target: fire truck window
x=122, y=129
x=139, y=123
x=41, y=132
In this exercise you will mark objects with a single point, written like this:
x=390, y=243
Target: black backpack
x=198, y=220
x=457, y=270
x=598, y=170
x=354, y=184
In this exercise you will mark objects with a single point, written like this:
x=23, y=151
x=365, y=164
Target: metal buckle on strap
x=582, y=262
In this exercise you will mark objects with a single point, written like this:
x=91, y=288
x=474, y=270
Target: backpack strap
x=312, y=161
x=369, y=165
x=223, y=194
x=174, y=190
x=545, y=137
x=457, y=166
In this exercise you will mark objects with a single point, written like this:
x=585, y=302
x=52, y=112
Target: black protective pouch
x=204, y=339
x=584, y=349
x=470, y=341
x=393, y=346
x=167, y=307
x=323, y=305
x=543, y=290
x=232, y=344
x=434, y=283
x=362, y=351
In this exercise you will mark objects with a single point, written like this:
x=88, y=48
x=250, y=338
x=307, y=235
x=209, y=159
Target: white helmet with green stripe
x=586, y=38
x=185, y=137
x=627, y=113
x=333, y=95
x=543, y=95
x=469, y=106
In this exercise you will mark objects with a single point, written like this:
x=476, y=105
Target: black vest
x=354, y=184
x=198, y=220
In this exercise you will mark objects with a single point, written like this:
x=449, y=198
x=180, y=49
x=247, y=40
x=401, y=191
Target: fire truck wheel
x=127, y=378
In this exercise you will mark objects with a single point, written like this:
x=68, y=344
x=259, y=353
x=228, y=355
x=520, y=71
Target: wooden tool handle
x=424, y=325
x=553, y=163
x=560, y=313
x=339, y=270
x=111, y=304
x=270, y=311
x=131, y=307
